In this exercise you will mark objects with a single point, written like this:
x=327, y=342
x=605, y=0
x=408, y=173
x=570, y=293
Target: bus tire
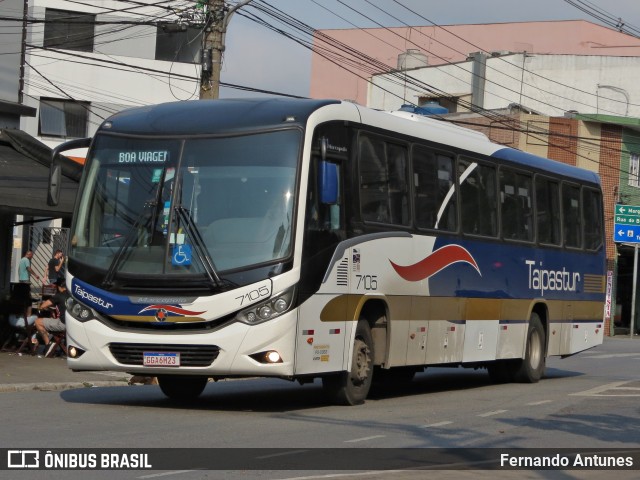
x=352, y=388
x=182, y=387
x=531, y=368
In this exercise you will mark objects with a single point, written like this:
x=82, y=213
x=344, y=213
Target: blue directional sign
x=627, y=233
x=627, y=224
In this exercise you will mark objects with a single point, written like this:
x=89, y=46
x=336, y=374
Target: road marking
x=364, y=439
x=291, y=452
x=347, y=475
x=165, y=474
x=612, y=355
x=439, y=424
x=541, y=402
x=611, y=387
x=490, y=414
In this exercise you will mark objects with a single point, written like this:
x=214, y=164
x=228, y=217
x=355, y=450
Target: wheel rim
x=535, y=349
x=361, y=363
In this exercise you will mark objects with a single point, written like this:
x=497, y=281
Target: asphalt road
x=590, y=400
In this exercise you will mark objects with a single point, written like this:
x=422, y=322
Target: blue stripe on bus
x=514, y=271
x=533, y=161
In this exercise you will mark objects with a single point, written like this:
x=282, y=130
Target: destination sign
x=157, y=156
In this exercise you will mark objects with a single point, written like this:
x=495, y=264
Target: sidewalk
x=26, y=372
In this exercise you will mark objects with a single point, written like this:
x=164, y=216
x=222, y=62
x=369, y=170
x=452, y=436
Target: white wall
x=550, y=84
x=10, y=48
x=117, y=82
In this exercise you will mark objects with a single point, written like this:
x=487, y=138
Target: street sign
x=626, y=226
x=626, y=233
x=628, y=210
x=627, y=219
x=625, y=229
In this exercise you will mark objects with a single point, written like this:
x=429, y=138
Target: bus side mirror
x=55, y=179
x=55, y=170
x=328, y=179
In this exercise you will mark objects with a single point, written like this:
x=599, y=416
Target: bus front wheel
x=531, y=368
x=352, y=388
x=182, y=387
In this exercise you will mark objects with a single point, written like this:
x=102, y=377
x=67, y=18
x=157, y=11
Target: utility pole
x=218, y=18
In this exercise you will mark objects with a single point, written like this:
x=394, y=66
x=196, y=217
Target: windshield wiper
x=131, y=236
x=201, y=248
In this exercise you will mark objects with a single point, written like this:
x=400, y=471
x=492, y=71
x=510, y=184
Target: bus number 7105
x=368, y=282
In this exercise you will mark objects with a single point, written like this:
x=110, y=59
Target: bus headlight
x=264, y=311
x=79, y=311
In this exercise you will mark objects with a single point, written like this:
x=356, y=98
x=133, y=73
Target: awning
x=24, y=177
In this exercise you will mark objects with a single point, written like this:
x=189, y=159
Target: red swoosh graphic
x=438, y=260
x=170, y=308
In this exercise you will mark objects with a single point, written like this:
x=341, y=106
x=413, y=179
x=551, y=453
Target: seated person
x=44, y=325
x=17, y=313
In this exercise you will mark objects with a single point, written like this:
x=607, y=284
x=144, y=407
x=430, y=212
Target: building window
x=178, y=43
x=63, y=118
x=634, y=170
x=69, y=30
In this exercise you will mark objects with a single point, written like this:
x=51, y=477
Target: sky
x=258, y=57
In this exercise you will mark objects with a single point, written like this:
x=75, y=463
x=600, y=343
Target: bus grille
x=190, y=355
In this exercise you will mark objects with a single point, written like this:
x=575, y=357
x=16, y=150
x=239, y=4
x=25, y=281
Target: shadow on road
x=276, y=395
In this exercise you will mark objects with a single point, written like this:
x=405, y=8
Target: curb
x=58, y=387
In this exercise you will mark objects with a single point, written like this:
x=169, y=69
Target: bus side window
x=548, y=211
x=478, y=202
x=435, y=200
x=593, y=228
x=383, y=181
x=516, y=205
x=398, y=187
x=571, y=216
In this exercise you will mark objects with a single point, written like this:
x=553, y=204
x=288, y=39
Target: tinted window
x=548, y=211
x=593, y=228
x=69, y=30
x=478, y=206
x=383, y=181
x=516, y=205
x=434, y=181
x=571, y=215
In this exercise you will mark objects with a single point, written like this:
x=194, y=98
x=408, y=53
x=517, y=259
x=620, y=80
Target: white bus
x=307, y=239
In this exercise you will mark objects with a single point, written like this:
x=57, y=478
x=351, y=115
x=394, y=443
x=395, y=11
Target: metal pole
x=633, y=295
x=214, y=45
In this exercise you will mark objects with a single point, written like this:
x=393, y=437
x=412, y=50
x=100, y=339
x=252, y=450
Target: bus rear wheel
x=352, y=388
x=531, y=368
x=182, y=387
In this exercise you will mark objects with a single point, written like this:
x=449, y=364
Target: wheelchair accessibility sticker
x=181, y=255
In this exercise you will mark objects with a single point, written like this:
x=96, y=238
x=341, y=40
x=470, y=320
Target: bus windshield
x=193, y=206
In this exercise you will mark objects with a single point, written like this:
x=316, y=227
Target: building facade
x=551, y=84
x=343, y=60
x=87, y=60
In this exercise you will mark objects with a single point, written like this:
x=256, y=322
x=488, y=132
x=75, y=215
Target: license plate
x=161, y=359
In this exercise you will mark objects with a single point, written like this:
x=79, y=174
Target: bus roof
x=237, y=115
x=196, y=117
